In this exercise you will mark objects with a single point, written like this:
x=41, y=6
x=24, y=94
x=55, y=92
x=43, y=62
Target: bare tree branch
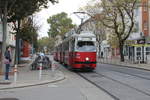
x=123, y=20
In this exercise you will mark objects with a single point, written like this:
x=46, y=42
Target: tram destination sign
x=85, y=38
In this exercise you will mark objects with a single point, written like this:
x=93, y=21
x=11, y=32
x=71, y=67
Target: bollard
x=53, y=69
x=40, y=71
x=15, y=70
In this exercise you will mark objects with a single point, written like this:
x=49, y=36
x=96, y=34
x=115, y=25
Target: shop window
x=145, y=25
x=138, y=48
x=147, y=50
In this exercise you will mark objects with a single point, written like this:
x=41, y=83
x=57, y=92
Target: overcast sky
x=68, y=6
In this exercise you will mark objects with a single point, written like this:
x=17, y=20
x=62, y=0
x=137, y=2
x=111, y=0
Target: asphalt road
x=49, y=92
x=73, y=87
x=121, y=83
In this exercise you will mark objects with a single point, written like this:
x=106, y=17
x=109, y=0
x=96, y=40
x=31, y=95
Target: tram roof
x=82, y=34
x=87, y=34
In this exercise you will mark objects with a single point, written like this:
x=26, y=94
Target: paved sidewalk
x=27, y=78
x=127, y=63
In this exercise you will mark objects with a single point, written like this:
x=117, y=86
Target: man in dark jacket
x=7, y=62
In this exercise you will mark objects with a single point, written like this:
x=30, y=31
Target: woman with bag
x=7, y=62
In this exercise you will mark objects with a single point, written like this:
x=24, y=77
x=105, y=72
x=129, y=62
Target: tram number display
x=85, y=39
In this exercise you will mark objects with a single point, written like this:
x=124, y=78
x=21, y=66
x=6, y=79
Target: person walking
x=7, y=62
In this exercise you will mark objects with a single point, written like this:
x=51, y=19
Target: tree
x=59, y=24
x=100, y=31
x=46, y=42
x=120, y=16
x=113, y=40
x=16, y=10
x=28, y=31
x=26, y=8
x=117, y=15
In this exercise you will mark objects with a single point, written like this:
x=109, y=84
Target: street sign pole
x=15, y=73
x=40, y=71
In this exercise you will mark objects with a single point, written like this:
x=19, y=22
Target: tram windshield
x=86, y=46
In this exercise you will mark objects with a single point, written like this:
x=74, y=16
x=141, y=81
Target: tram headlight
x=87, y=59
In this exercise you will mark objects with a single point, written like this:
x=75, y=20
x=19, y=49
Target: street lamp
x=82, y=22
x=82, y=12
x=79, y=16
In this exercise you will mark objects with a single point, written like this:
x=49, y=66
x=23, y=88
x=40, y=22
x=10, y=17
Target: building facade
x=138, y=51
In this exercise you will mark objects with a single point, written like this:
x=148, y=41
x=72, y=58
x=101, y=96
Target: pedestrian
x=101, y=54
x=7, y=62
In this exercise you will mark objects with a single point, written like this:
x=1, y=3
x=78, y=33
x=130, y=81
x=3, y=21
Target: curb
x=36, y=84
x=127, y=66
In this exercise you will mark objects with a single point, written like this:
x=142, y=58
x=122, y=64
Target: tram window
x=86, y=46
x=87, y=43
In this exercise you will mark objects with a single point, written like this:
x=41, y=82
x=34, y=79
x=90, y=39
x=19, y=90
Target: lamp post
x=83, y=13
x=82, y=20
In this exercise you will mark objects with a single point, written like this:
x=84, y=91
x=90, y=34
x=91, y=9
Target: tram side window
x=71, y=45
x=65, y=46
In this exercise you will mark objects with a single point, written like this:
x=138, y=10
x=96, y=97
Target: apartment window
x=145, y=6
x=137, y=26
x=137, y=12
x=145, y=25
x=1, y=29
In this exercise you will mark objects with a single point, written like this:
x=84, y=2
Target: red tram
x=77, y=51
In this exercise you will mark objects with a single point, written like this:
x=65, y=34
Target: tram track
x=142, y=77
x=114, y=80
x=101, y=88
x=125, y=84
x=139, y=76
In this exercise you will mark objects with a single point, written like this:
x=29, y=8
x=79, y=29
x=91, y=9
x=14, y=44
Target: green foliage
x=46, y=42
x=59, y=24
x=24, y=8
x=28, y=31
x=113, y=40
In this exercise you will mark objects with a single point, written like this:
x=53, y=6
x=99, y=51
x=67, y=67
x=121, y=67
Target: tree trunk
x=121, y=51
x=17, y=44
x=4, y=23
